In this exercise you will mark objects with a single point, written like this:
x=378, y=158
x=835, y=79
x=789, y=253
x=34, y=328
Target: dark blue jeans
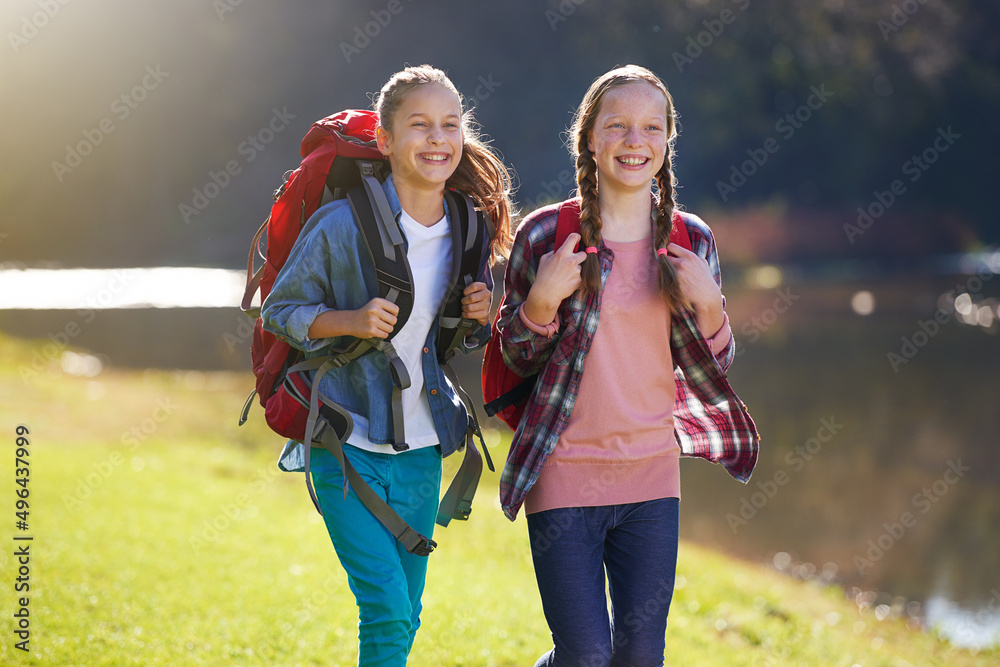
x=572, y=548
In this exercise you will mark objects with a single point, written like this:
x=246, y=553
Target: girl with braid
x=630, y=340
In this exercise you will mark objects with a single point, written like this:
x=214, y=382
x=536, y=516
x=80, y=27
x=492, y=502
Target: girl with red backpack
x=323, y=297
x=630, y=341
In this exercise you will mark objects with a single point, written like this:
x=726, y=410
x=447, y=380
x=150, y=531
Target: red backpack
x=349, y=134
x=505, y=392
x=339, y=156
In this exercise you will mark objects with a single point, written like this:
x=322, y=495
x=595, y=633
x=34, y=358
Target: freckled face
x=425, y=144
x=629, y=137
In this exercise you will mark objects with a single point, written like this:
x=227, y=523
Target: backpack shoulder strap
x=679, y=233
x=471, y=234
x=568, y=221
x=384, y=240
x=471, y=231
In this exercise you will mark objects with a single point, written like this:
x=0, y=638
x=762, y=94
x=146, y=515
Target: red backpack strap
x=568, y=222
x=679, y=233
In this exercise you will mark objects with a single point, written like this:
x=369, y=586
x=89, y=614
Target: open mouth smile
x=632, y=161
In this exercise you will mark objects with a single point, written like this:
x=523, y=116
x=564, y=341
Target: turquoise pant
x=387, y=581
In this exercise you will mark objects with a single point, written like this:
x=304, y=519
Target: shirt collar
x=389, y=187
x=390, y=193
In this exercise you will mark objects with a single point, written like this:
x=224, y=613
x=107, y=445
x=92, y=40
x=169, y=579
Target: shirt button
x=426, y=350
x=434, y=392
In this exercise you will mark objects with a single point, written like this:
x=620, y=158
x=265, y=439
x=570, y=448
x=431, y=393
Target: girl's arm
x=701, y=282
x=375, y=320
x=302, y=308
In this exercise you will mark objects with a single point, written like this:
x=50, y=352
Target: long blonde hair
x=586, y=179
x=480, y=173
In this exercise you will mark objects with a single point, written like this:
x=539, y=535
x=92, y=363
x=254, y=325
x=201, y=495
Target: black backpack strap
x=400, y=381
x=384, y=240
x=329, y=425
x=457, y=500
x=385, y=243
x=413, y=541
x=514, y=396
x=471, y=231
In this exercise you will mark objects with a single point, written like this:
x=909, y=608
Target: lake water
x=877, y=398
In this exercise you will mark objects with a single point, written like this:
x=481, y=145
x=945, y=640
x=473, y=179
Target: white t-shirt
x=429, y=254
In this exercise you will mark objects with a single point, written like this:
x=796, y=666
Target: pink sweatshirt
x=619, y=444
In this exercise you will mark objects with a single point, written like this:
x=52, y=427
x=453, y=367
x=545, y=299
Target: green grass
x=163, y=535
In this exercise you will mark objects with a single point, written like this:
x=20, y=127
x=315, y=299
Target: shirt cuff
x=298, y=327
x=478, y=337
x=548, y=331
x=718, y=342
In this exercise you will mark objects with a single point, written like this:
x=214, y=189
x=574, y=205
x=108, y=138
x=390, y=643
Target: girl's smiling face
x=629, y=137
x=424, y=144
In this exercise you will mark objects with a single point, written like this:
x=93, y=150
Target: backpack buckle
x=463, y=511
x=424, y=547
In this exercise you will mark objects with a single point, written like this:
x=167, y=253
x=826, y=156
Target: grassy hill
x=164, y=535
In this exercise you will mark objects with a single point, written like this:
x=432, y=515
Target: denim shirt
x=330, y=268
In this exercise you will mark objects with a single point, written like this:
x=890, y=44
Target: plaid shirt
x=710, y=421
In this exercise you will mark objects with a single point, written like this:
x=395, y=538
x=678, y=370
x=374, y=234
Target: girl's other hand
x=476, y=303
x=699, y=286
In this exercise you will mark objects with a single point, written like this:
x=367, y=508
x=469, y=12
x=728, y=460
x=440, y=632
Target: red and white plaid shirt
x=710, y=421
